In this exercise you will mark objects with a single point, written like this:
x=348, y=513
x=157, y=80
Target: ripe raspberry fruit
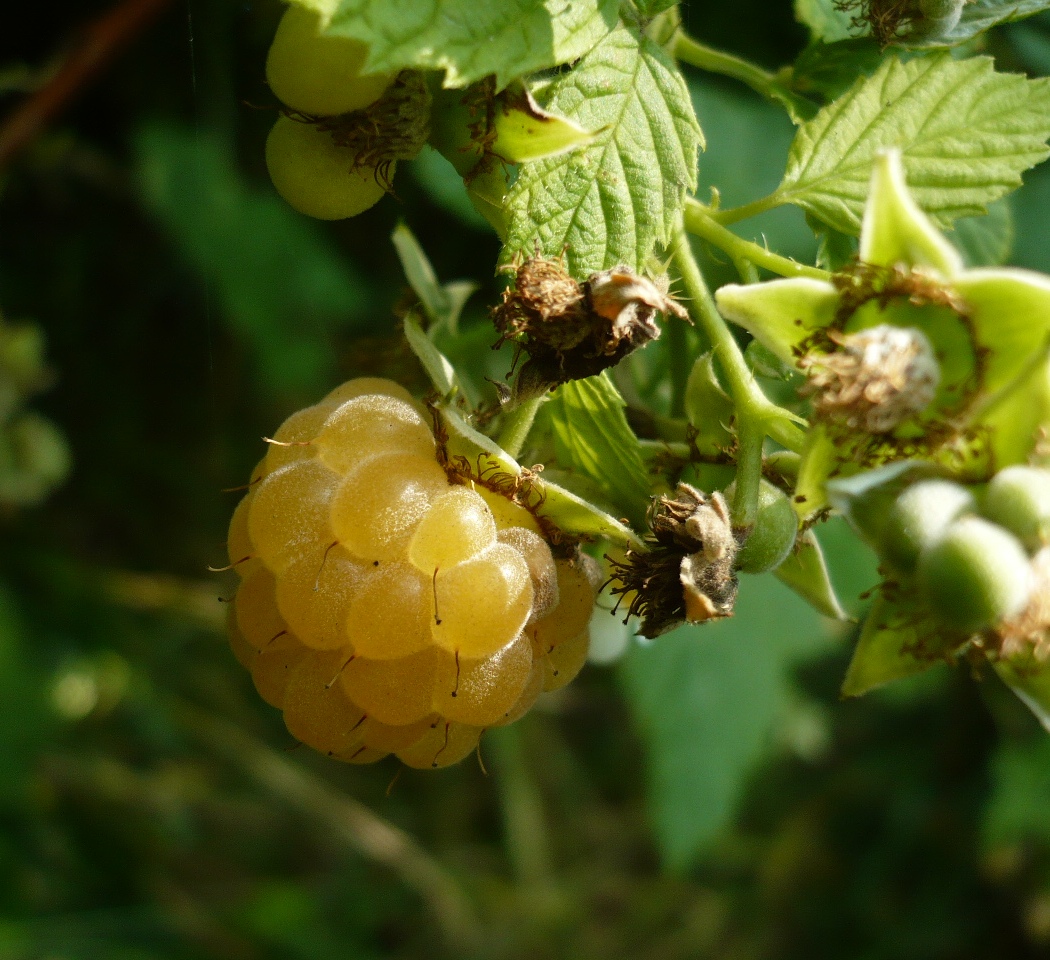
x=386, y=606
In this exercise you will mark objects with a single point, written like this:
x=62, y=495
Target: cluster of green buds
x=929, y=386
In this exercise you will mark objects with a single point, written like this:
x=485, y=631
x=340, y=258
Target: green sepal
x=708, y=408
x=806, y=573
x=780, y=314
x=525, y=131
x=898, y=640
x=567, y=511
x=442, y=303
x=435, y=363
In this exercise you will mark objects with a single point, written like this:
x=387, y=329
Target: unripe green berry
x=918, y=519
x=975, y=576
x=773, y=536
x=316, y=175
x=317, y=74
x=1018, y=498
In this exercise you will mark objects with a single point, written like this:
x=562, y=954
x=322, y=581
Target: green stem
x=750, y=435
x=679, y=361
x=745, y=210
x=516, y=425
x=700, y=222
x=756, y=417
x=763, y=82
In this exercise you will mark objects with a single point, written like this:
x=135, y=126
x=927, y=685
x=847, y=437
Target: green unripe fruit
x=919, y=518
x=773, y=536
x=317, y=176
x=975, y=576
x=1018, y=498
x=318, y=74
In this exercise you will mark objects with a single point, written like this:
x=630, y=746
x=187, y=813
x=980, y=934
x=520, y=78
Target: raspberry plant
x=682, y=432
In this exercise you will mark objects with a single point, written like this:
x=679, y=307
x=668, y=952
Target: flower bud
x=1018, y=498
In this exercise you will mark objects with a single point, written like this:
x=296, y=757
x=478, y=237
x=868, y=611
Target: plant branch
x=702, y=223
x=763, y=82
x=99, y=44
x=755, y=416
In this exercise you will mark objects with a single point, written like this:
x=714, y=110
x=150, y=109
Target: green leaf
x=825, y=20
x=470, y=39
x=592, y=436
x=706, y=700
x=279, y=282
x=650, y=8
x=921, y=106
x=981, y=15
x=609, y=202
x=806, y=573
x=898, y=640
x=830, y=69
x=986, y=241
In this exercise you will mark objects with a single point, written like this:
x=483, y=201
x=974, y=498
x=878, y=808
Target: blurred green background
x=707, y=795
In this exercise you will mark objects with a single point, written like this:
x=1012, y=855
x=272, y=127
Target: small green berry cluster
x=976, y=556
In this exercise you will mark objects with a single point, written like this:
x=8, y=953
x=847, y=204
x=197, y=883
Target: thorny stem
x=763, y=82
x=756, y=416
x=516, y=425
x=701, y=221
x=745, y=210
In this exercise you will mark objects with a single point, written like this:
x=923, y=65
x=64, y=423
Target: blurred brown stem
x=100, y=42
x=349, y=821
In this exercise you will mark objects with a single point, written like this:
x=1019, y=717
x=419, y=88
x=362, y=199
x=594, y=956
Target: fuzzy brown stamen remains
x=573, y=330
x=686, y=574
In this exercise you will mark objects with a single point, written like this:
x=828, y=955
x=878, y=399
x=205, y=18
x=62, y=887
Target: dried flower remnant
x=573, y=330
x=875, y=380
x=394, y=127
x=686, y=575
x=894, y=21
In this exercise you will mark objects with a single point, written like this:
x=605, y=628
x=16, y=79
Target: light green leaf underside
x=828, y=23
x=470, y=39
x=825, y=21
x=981, y=15
x=706, y=701
x=965, y=131
x=609, y=202
x=592, y=436
x=650, y=8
